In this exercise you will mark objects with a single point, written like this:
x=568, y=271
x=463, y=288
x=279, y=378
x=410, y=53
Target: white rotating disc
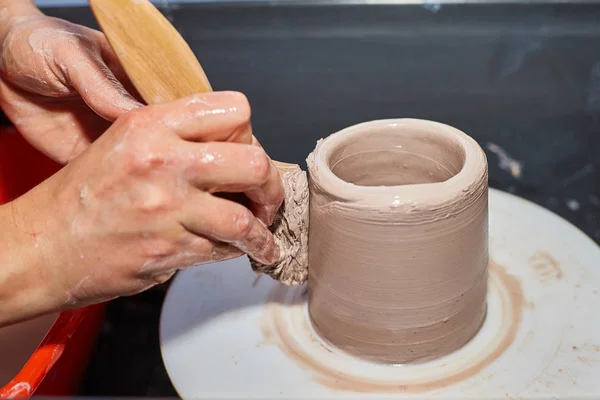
x=227, y=332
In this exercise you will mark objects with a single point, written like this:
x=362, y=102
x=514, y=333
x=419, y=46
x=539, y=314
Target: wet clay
x=398, y=240
x=284, y=324
x=18, y=342
x=290, y=229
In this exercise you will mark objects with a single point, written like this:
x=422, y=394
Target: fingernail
x=271, y=211
x=265, y=213
x=264, y=216
x=261, y=213
x=269, y=254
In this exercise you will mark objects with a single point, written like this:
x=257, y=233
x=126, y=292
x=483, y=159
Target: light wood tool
x=157, y=60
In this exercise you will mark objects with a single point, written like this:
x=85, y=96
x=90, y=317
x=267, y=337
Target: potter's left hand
x=60, y=83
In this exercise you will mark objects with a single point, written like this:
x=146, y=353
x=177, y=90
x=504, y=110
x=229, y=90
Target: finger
x=195, y=250
x=232, y=167
x=220, y=251
x=265, y=208
x=210, y=117
x=98, y=86
x=224, y=116
x=267, y=212
x=220, y=167
x=268, y=197
x=229, y=222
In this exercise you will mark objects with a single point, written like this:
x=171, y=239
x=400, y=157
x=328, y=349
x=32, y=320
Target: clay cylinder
x=398, y=240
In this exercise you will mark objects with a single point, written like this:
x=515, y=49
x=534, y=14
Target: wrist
x=27, y=284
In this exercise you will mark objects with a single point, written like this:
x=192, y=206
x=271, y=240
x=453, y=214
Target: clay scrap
x=290, y=230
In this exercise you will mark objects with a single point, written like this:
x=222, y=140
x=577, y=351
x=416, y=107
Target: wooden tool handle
x=159, y=62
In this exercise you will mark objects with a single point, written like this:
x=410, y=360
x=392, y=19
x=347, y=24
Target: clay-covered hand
x=142, y=201
x=60, y=83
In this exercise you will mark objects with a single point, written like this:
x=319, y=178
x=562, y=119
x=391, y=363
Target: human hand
x=141, y=201
x=60, y=83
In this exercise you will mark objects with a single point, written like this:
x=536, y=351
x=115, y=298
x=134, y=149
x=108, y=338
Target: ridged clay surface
x=398, y=239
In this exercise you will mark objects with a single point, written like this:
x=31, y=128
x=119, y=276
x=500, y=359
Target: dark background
x=525, y=77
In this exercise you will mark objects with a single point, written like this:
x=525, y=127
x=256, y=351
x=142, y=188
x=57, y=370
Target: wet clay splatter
x=546, y=266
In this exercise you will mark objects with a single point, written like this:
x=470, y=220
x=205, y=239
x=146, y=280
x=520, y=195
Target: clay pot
x=398, y=240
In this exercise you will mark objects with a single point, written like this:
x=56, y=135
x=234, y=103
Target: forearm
x=26, y=281
x=10, y=10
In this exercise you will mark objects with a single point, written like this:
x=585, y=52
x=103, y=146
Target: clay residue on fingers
x=290, y=230
x=505, y=161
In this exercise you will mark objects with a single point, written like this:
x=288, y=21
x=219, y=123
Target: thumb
x=99, y=88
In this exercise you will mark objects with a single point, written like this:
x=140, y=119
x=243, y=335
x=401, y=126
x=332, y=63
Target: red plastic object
x=57, y=365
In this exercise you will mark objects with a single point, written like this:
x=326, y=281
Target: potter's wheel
x=225, y=332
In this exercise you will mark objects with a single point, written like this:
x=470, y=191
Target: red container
x=57, y=365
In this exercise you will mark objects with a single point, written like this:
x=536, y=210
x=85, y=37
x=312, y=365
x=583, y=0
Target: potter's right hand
x=140, y=203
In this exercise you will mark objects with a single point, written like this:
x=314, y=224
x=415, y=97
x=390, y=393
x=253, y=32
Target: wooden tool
x=157, y=60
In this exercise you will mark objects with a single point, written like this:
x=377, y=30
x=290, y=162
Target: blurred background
x=522, y=78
